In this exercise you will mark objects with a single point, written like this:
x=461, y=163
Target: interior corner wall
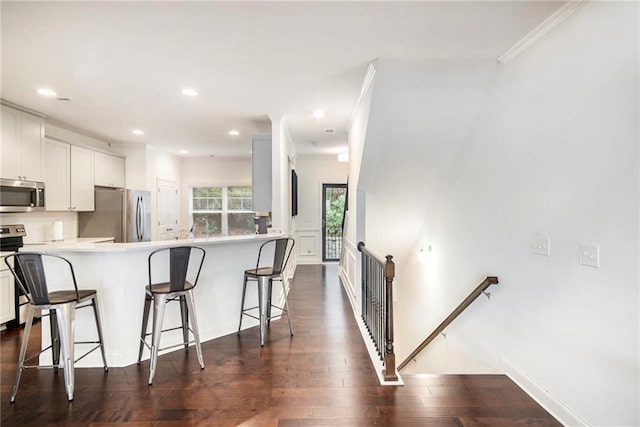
x=280, y=145
x=552, y=151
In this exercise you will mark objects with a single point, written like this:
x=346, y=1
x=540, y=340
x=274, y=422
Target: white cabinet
x=7, y=295
x=261, y=175
x=69, y=177
x=109, y=170
x=21, y=145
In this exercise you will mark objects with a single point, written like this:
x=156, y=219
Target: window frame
x=224, y=211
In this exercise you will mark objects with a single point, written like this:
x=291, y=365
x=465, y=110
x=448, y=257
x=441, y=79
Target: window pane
x=209, y=224
x=207, y=198
x=214, y=204
x=239, y=191
x=235, y=204
x=241, y=223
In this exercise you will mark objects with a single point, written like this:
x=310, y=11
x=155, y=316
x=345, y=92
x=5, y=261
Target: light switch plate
x=541, y=245
x=590, y=255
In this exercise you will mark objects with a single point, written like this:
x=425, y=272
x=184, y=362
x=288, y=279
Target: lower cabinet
x=7, y=295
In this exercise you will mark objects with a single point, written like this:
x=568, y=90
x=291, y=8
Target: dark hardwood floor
x=321, y=376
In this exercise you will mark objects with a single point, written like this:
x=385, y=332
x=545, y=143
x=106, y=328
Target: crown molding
x=21, y=108
x=543, y=28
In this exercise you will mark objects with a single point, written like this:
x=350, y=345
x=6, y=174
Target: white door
x=168, y=209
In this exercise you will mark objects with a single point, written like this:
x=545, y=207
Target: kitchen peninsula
x=119, y=272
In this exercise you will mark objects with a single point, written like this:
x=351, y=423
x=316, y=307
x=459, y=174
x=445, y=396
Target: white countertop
x=72, y=241
x=98, y=244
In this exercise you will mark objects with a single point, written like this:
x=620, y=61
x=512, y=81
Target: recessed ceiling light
x=189, y=92
x=137, y=132
x=46, y=92
x=318, y=113
x=234, y=133
x=184, y=152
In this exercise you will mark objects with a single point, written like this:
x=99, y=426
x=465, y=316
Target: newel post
x=389, y=373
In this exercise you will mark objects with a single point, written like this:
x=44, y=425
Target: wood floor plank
x=319, y=377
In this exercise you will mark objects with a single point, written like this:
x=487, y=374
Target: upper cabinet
x=21, y=145
x=69, y=177
x=109, y=170
x=261, y=174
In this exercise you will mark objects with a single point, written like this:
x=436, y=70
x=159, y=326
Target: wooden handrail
x=488, y=281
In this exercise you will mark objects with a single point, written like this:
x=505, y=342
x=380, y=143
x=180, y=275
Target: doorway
x=333, y=204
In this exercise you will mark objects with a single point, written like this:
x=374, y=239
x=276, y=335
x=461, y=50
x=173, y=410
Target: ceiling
x=123, y=65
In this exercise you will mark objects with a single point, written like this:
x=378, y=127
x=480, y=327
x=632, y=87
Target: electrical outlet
x=541, y=245
x=590, y=255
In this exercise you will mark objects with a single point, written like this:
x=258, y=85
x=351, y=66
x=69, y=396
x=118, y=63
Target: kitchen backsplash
x=39, y=224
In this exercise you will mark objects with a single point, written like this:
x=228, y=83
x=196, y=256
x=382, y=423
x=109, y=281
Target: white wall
x=313, y=171
x=38, y=225
x=211, y=171
x=355, y=215
x=545, y=144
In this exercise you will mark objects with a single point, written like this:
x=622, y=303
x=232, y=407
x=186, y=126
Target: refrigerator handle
x=142, y=224
x=138, y=219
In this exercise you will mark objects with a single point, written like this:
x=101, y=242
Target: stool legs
x=55, y=339
x=264, y=302
x=184, y=315
x=62, y=321
x=66, y=317
x=23, y=352
x=187, y=310
x=244, y=293
x=194, y=325
x=265, y=291
x=145, y=321
x=159, y=303
x=96, y=314
x=286, y=306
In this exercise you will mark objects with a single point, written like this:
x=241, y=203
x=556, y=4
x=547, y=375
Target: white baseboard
x=378, y=366
x=548, y=401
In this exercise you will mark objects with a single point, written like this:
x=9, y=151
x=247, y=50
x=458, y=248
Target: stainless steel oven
x=21, y=196
x=11, y=240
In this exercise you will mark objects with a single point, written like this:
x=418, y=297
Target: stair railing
x=480, y=289
x=377, y=306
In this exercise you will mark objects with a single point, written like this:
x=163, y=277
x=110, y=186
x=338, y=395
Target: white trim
x=21, y=108
x=553, y=20
x=373, y=355
x=540, y=394
x=307, y=230
x=366, y=84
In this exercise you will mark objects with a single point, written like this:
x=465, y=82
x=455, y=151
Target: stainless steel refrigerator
x=123, y=215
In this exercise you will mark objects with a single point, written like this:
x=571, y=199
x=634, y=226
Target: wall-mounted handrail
x=377, y=306
x=488, y=281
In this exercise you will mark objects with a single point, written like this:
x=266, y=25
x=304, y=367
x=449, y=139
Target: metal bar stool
x=179, y=288
x=265, y=276
x=61, y=305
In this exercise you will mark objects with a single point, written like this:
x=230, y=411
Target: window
x=221, y=211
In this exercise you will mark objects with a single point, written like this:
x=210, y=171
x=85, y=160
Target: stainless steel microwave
x=21, y=196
